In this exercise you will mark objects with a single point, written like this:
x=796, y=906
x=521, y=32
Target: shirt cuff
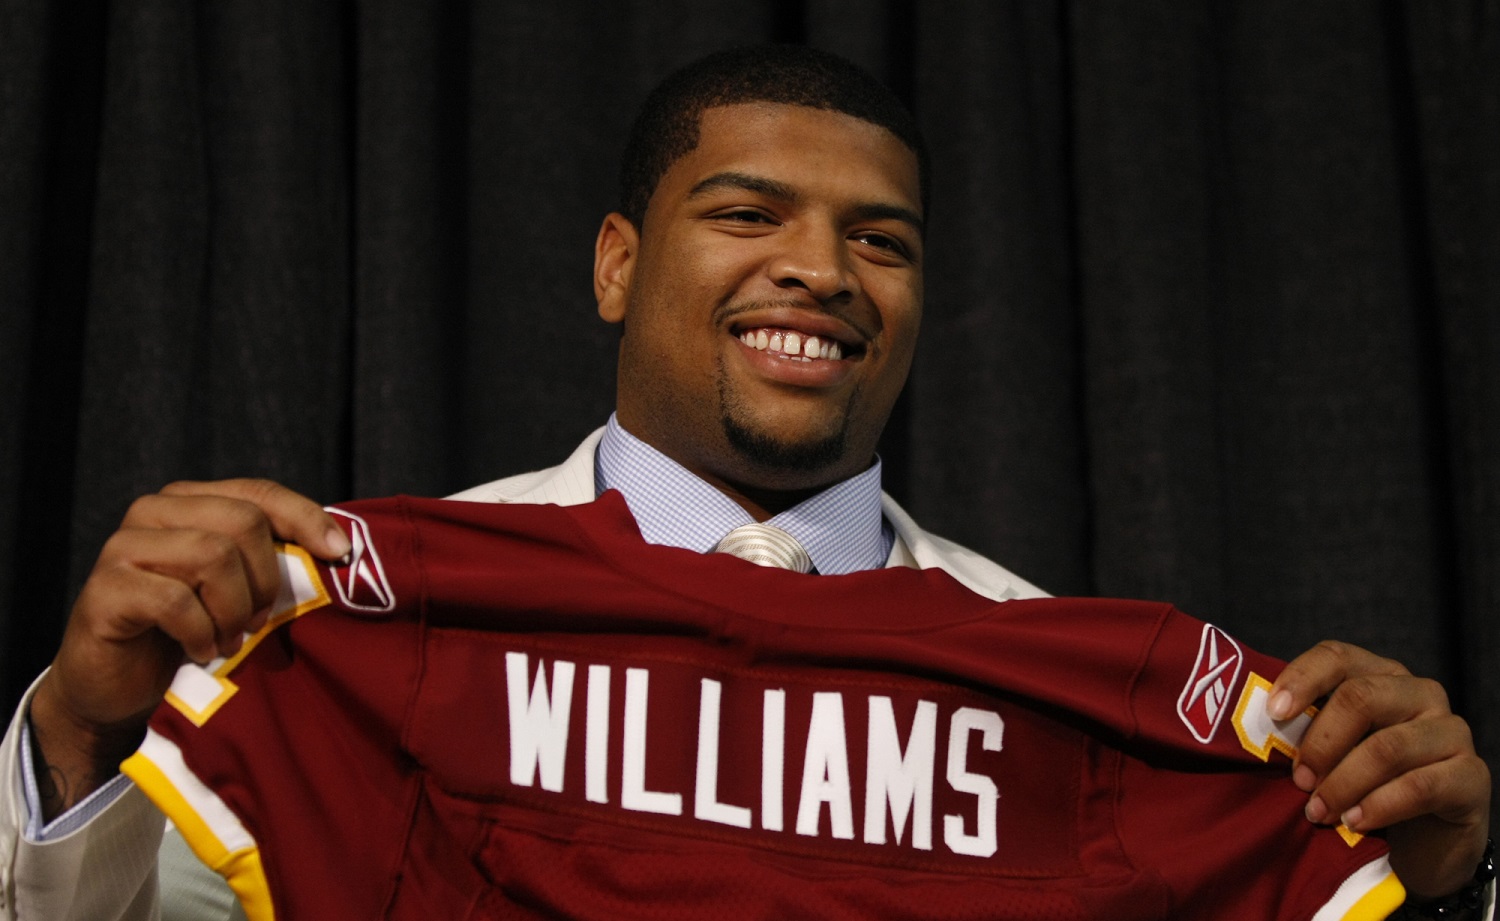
x=72, y=820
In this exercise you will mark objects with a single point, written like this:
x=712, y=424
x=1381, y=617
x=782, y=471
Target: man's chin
x=811, y=454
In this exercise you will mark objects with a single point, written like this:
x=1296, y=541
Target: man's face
x=786, y=227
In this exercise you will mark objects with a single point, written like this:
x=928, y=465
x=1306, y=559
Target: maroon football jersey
x=497, y=711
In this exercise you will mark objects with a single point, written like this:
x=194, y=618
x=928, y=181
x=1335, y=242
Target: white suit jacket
x=105, y=870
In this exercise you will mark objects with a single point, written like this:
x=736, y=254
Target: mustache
x=728, y=312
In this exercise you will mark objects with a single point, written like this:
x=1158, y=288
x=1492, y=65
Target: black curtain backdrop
x=1213, y=287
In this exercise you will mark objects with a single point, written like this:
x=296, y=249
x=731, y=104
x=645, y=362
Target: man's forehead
x=762, y=136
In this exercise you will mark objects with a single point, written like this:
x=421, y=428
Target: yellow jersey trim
x=1380, y=902
x=241, y=868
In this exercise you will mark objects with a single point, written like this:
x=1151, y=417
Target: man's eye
x=881, y=241
x=744, y=216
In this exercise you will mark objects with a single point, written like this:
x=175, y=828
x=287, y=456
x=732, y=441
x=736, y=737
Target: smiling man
x=766, y=271
x=771, y=323
x=770, y=294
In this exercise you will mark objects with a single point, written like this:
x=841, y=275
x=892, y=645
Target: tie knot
x=765, y=545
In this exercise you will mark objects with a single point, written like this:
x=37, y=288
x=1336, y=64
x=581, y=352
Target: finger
x=293, y=516
x=1448, y=789
x=139, y=602
x=206, y=528
x=208, y=565
x=1363, y=705
x=1389, y=763
x=1315, y=674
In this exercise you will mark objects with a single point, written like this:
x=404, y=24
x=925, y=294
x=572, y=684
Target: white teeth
x=793, y=345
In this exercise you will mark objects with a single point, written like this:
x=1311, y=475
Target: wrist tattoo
x=54, y=789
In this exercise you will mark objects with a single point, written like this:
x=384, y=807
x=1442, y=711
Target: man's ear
x=614, y=261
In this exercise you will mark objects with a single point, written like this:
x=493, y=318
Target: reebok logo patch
x=1206, y=695
x=361, y=585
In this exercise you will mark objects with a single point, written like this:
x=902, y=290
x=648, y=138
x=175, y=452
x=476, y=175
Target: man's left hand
x=1386, y=752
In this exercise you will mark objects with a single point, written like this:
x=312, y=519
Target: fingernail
x=1316, y=810
x=1304, y=778
x=338, y=544
x=1352, y=818
x=1280, y=706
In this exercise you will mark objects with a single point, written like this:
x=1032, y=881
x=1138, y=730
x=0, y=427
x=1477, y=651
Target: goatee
x=772, y=453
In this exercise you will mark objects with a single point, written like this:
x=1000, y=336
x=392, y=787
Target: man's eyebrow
x=744, y=182
x=780, y=191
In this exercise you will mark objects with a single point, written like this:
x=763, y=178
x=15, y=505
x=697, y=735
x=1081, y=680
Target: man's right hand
x=190, y=570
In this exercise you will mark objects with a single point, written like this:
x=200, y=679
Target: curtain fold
x=1213, y=305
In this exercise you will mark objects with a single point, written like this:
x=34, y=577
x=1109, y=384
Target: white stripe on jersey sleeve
x=210, y=827
x=1370, y=893
x=229, y=835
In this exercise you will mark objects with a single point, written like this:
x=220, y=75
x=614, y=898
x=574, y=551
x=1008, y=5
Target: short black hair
x=666, y=128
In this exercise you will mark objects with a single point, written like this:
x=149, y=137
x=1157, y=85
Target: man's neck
x=842, y=526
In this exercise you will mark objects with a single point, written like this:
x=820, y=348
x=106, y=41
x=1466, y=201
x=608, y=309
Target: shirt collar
x=842, y=527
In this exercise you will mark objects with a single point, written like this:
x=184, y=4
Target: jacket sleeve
x=103, y=870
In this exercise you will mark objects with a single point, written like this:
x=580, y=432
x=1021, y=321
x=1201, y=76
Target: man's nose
x=816, y=259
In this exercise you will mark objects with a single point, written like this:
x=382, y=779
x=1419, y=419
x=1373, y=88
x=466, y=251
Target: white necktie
x=765, y=545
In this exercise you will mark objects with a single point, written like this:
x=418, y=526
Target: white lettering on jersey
x=903, y=780
x=985, y=841
x=596, y=736
x=634, y=794
x=538, y=725
x=899, y=781
x=772, y=759
x=1259, y=734
x=825, y=770
x=706, y=803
